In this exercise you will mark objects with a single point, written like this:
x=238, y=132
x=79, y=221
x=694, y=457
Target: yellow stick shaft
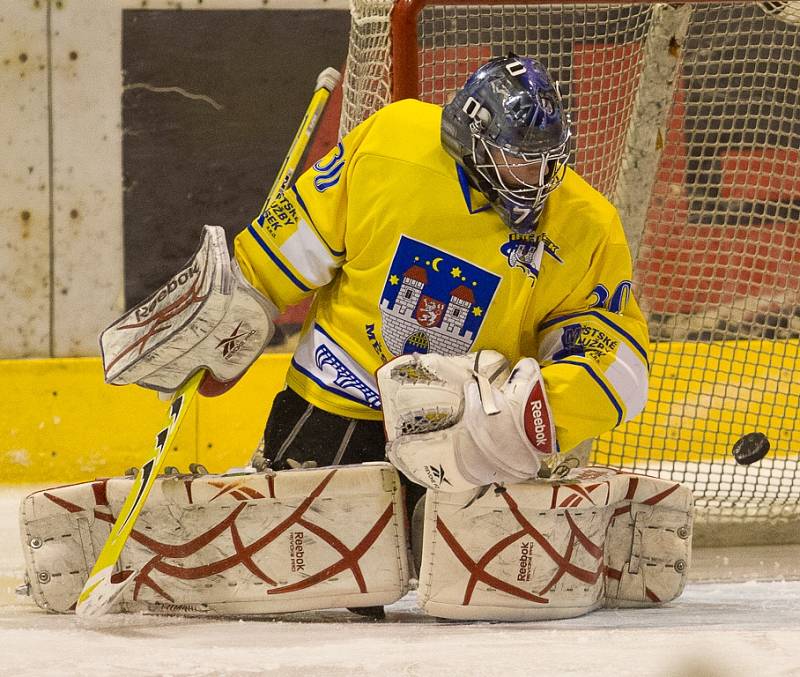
x=88, y=603
x=325, y=83
x=100, y=592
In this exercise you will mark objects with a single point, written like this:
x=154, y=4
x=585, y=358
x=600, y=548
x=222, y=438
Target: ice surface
x=714, y=629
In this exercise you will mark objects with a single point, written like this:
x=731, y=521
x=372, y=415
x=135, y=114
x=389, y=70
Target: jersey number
x=471, y=107
x=614, y=303
x=515, y=68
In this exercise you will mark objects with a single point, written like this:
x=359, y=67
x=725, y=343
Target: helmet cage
x=508, y=129
x=512, y=179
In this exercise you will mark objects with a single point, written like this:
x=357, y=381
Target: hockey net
x=687, y=116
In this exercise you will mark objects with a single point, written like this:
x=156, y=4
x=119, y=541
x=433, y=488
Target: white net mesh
x=367, y=83
x=688, y=118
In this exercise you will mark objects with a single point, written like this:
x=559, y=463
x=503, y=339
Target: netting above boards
x=687, y=117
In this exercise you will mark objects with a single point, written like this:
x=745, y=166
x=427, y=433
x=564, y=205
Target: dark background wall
x=209, y=152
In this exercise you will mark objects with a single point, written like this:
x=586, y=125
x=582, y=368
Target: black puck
x=751, y=448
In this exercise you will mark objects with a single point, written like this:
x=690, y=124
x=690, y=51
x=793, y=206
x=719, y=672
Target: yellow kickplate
x=60, y=422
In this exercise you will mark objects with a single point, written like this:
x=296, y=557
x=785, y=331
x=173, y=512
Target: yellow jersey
x=405, y=256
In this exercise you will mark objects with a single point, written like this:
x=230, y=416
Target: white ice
x=716, y=629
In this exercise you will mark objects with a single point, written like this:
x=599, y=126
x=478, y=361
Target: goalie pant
x=332, y=537
x=299, y=434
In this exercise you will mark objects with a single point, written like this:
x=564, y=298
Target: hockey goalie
x=473, y=321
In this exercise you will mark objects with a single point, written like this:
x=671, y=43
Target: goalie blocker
x=206, y=316
x=335, y=537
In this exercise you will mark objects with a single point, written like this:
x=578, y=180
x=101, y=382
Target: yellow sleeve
x=297, y=243
x=593, y=349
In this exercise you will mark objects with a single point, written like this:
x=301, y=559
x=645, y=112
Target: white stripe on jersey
x=309, y=257
x=628, y=375
x=325, y=362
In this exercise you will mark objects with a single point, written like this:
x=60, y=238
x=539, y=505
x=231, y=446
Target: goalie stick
x=102, y=589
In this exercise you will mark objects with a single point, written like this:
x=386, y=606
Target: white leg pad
x=548, y=549
x=271, y=542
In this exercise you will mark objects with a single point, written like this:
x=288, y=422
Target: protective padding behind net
x=687, y=117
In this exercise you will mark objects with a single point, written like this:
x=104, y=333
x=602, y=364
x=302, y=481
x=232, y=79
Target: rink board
x=62, y=423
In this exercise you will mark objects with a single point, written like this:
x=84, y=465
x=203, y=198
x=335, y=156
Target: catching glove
x=458, y=422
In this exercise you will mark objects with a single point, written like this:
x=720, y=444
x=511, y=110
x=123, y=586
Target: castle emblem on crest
x=433, y=301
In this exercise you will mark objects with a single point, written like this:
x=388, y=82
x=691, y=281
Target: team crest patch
x=580, y=340
x=526, y=252
x=432, y=301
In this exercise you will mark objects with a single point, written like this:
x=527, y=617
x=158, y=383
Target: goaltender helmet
x=507, y=122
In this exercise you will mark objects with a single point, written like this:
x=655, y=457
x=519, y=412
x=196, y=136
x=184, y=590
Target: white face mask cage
x=511, y=174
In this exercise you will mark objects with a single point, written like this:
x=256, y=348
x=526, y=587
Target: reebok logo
x=235, y=342
x=538, y=424
x=538, y=427
x=436, y=476
x=525, y=562
x=297, y=550
x=182, y=278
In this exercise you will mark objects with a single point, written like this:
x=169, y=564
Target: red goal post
x=687, y=116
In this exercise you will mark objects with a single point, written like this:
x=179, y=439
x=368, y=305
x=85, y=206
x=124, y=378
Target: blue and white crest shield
x=433, y=301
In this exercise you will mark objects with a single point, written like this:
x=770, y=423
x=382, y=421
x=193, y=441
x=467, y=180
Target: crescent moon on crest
x=435, y=263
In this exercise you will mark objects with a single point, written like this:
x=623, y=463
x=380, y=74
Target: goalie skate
x=294, y=540
x=547, y=549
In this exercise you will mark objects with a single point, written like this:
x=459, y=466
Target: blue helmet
x=508, y=128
